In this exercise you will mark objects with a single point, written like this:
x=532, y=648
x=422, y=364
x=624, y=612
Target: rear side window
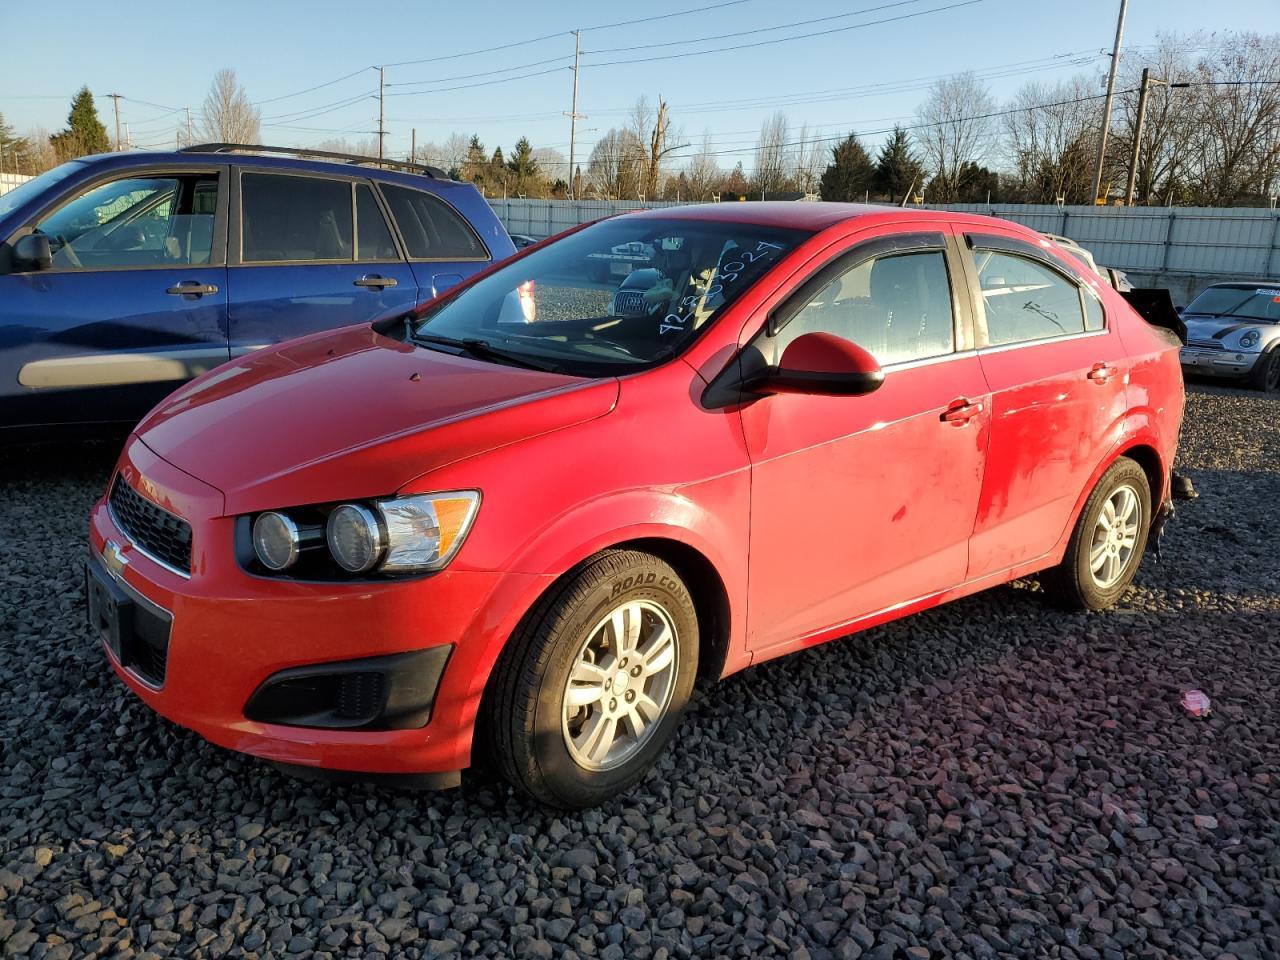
x=291, y=219
x=1094, y=318
x=373, y=236
x=898, y=308
x=1025, y=300
x=432, y=229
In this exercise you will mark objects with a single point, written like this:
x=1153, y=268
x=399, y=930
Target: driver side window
x=135, y=222
x=896, y=307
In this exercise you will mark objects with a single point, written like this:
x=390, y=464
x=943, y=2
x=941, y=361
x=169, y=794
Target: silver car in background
x=1233, y=330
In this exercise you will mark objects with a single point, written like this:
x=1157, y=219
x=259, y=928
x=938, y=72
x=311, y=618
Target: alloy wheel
x=1115, y=534
x=620, y=685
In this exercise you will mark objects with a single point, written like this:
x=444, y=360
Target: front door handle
x=373, y=280
x=1101, y=372
x=191, y=288
x=961, y=410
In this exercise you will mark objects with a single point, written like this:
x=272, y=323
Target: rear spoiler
x=1155, y=306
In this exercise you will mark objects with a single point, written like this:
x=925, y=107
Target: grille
x=1205, y=344
x=628, y=303
x=154, y=529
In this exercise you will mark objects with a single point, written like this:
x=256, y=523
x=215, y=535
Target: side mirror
x=33, y=252
x=821, y=364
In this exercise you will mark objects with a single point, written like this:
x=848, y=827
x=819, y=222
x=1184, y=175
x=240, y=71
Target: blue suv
x=124, y=274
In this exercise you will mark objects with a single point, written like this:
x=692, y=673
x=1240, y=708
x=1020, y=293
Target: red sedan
x=519, y=523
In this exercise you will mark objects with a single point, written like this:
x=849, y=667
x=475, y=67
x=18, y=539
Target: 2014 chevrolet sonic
x=517, y=524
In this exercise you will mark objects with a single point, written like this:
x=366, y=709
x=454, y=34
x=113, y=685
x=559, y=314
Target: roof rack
x=352, y=158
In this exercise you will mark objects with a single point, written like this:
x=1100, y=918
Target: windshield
x=617, y=296
x=19, y=195
x=1247, y=303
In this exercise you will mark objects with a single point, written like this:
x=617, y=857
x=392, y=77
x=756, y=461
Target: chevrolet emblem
x=113, y=559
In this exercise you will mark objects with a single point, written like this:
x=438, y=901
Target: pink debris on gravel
x=1196, y=703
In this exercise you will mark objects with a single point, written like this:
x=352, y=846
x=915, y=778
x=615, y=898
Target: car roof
x=815, y=216
x=132, y=158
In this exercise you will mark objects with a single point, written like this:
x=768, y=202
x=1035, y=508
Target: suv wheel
x=1106, y=547
x=591, y=688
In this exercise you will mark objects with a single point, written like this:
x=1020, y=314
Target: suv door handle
x=191, y=288
x=1101, y=372
x=961, y=411
x=373, y=280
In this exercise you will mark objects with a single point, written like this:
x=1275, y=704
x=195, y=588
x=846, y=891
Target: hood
x=1208, y=326
x=353, y=414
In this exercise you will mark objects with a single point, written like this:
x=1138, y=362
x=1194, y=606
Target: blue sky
x=163, y=56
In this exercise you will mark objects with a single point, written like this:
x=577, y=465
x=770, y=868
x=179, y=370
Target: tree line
x=1211, y=137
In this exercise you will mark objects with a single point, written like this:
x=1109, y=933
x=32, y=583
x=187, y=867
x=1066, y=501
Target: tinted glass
x=135, y=222
x=294, y=218
x=1025, y=300
x=615, y=296
x=897, y=307
x=432, y=229
x=373, y=236
x=1246, y=303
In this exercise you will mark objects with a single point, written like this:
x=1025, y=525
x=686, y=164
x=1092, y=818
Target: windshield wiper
x=484, y=350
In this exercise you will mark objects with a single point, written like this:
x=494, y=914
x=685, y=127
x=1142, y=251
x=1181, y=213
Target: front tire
x=591, y=687
x=1266, y=372
x=1106, y=547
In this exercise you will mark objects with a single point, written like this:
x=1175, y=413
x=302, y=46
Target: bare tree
x=771, y=155
x=613, y=170
x=956, y=131
x=808, y=159
x=1236, y=144
x=228, y=116
x=656, y=139
x=361, y=148
x=703, y=174
x=1048, y=139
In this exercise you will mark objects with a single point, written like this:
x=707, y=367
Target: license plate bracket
x=110, y=609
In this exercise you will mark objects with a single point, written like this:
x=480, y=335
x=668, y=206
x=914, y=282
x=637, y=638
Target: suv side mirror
x=820, y=364
x=33, y=252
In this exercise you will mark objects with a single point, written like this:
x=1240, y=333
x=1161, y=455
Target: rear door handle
x=1101, y=372
x=961, y=411
x=373, y=280
x=191, y=288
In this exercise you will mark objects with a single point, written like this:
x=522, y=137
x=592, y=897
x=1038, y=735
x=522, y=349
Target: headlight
x=275, y=541
x=1250, y=339
x=424, y=531
x=355, y=537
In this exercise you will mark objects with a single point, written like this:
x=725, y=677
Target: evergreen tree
x=523, y=167
x=897, y=168
x=15, y=151
x=85, y=132
x=850, y=175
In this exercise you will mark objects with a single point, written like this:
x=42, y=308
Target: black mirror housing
x=33, y=252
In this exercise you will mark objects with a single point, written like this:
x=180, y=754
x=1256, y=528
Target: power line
x=318, y=86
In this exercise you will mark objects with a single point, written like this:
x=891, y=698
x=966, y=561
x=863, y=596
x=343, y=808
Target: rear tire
x=591, y=687
x=1266, y=372
x=1108, y=541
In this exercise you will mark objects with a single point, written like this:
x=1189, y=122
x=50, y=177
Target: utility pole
x=1148, y=81
x=189, y=137
x=574, y=116
x=1106, y=106
x=127, y=139
x=413, y=144
x=382, y=132
x=116, y=98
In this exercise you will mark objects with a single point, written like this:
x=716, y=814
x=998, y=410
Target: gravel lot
x=988, y=779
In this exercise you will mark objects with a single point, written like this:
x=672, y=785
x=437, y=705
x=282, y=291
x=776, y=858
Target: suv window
x=432, y=229
x=373, y=236
x=1025, y=300
x=897, y=307
x=288, y=219
x=135, y=222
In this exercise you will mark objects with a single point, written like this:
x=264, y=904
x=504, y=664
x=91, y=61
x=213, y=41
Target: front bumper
x=1217, y=363
x=232, y=631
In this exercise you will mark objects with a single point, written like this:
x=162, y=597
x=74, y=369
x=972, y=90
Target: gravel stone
x=992, y=778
